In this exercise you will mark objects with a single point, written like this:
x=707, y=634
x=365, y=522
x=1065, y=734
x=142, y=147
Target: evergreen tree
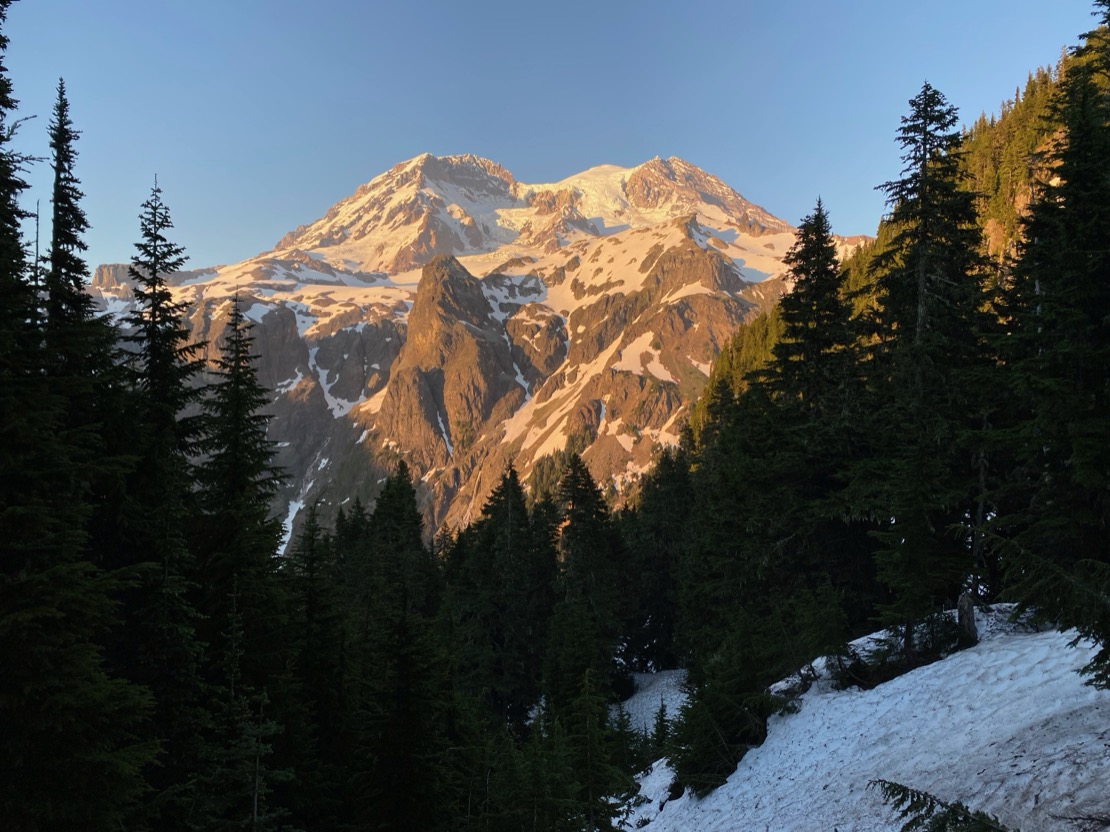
x=592, y=591
x=551, y=793
x=814, y=356
x=1057, y=544
x=75, y=336
x=589, y=743
x=499, y=597
x=239, y=536
x=656, y=534
x=921, y=810
x=160, y=648
x=728, y=705
x=311, y=702
x=400, y=690
x=916, y=485
x=234, y=787
x=65, y=717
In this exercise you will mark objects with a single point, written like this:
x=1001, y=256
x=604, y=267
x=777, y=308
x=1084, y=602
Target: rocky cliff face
x=450, y=315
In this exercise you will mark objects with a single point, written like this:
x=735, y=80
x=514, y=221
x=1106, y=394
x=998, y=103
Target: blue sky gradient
x=257, y=115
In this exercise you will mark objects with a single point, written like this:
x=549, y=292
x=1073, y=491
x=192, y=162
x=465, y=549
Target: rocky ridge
x=450, y=315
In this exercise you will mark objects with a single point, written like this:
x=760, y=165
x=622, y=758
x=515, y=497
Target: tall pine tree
x=1058, y=541
x=65, y=717
x=161, y=649
x=239, y=536
x=916, y=486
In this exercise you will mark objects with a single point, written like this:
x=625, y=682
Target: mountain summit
x=447, y=314
x=462, y=205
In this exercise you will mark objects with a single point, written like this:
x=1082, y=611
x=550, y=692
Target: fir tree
x=69, y=309
x=161, y=649
x=921, y=810
x=499, y=597
x=589, y=742
x=66, y=718
x=239, y=536
x=236, y=781
x=591, y=590
x=656, y=537
x=400, y=686
x=916, y=484
x=814, y=356
x=311, y=701
x=1057, y=546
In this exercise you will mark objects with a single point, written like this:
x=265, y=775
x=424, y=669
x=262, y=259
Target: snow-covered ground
x=1007, y=727
x=652, y=690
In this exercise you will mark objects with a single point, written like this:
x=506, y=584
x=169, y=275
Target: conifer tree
x=69, y=308
x=813, y=357
x=65, y=718
x=551, y=795
x=499, y=597
x=812, y=390
x=239, y=535
x=1057, y=543
x=401, y=693
x=656, y=537
x=921, y=810
x=591, y=591
x=311, y=701
x=588, y=740
x=161, y=649
x=916, y=485
x=236, y=781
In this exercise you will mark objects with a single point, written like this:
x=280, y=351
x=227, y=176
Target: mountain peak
x=466, y=205
x=682, y=187
x=464, y=169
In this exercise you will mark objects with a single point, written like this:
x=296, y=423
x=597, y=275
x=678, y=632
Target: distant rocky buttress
x=449, y=315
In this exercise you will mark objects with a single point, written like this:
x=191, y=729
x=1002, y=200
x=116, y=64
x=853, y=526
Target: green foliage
x=67, y=716
x=727, y=709
x=655, y=537
x=928, y=344
x=589, y=741
x=236, y=781
x=749, y=350
x=1005, y=155
x=499, y=597
x=888, y=436
x=237, y=541
x=1055, y=540
x=591, y=601
x=922, y=811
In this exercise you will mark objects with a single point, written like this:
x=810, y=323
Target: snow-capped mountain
x=450, y=315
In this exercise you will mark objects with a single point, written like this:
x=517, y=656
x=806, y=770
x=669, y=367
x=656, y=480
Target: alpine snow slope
x=446, y=314
x=1006, y=727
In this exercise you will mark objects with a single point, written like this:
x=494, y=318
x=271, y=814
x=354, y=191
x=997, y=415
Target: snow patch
x=257, y=312
x=443, y=433
x=652, y=690
x=287, y=524
x=632, y=358
x=1007, y=727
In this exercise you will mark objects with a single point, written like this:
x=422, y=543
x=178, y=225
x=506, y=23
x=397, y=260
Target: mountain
x=450, y=315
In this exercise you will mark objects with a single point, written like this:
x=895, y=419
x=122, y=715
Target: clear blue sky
x=257, y=115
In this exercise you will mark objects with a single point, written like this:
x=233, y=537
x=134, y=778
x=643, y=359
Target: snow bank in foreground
x=1007, y=727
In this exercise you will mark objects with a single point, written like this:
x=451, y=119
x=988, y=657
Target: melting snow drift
x=1006, y=727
